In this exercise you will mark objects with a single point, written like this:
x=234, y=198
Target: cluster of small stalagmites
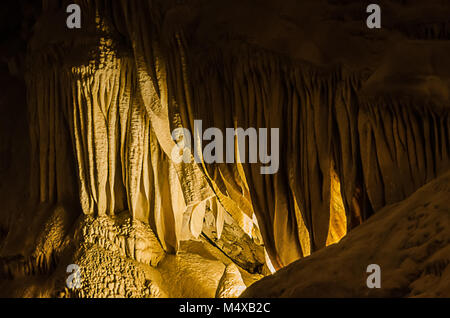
x=19, y=266
x=129, y=238
x=107, y=274
x=114, y=256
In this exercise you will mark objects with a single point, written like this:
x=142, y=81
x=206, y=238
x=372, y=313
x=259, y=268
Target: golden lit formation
x=356, y=129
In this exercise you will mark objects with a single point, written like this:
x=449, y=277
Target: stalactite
x=117, y=111
x=404, y=145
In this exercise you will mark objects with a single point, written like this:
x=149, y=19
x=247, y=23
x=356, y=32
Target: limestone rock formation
x=409, y=240
x=88, y=176
x=231, y=284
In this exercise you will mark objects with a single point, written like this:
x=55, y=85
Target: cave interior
x=88, y=179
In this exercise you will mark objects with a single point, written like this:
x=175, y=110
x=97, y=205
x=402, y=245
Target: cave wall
x=103, y=101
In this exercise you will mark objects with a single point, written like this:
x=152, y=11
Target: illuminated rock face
x=103, y=102
x=409, y=240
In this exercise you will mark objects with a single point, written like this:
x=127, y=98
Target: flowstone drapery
x=103, y=101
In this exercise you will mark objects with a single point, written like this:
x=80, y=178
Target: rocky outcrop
x=409, y=240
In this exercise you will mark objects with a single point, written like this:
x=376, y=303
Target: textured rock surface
x=409, y=240
x=363, y=117
x=119, y=105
